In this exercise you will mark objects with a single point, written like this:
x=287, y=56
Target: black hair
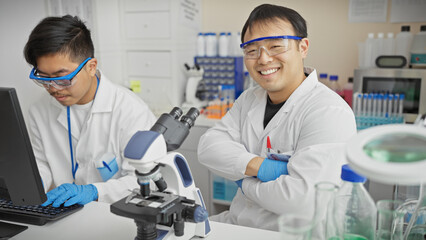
x=267, y=12
x=64, y=35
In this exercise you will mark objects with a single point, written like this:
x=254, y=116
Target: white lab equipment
x=176, y=201
x=394, y=154
x=195, y=75
x=418, y=49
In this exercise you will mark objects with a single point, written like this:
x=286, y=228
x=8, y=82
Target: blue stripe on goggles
x=273, y=45
x=60, y=81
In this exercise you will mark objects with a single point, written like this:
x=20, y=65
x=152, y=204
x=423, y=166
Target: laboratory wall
x=17, y=19
x=333, y=40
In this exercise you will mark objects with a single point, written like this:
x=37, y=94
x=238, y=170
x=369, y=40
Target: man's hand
x=270, y=170
x=70, y=194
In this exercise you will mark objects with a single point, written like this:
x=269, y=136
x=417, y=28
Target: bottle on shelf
x=389, y=44
x=211, y=44
x=378, y=48
x=353, y=214
x=368, y=51
x=323, y=77
x=403, y=41
x=348, y=91
x=334, y=85
x=201, y=45
x=418, y=49
x=223, y=45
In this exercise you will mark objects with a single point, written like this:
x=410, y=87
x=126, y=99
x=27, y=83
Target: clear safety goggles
x=273, y=45
x=57, y=82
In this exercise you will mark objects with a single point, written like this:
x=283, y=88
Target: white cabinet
x=149, y=41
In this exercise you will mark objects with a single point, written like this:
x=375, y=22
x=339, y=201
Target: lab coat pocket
x=107, y=166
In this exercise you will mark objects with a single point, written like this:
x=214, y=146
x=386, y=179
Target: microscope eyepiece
x=189, y=118
x=176, y=113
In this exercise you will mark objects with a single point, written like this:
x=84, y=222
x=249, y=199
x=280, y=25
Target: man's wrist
x=253, y=166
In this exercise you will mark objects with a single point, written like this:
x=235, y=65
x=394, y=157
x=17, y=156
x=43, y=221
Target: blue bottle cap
x=350, y=175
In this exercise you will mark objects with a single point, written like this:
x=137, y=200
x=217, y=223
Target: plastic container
x=201, y=45
x=223, y=45
x=389, y=44
x=368, y=51
x=333, y=84
x=323, y=77
x=211, y=45
x=403, y=42
x=354, y=212
x=418, y=49
x=348, y=91
x=378, y=49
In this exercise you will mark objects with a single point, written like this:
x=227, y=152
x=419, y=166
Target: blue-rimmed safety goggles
x=273, y=45
x=62, y=82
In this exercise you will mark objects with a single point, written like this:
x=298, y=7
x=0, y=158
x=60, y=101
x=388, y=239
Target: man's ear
x=304, y=47
x=93, y=64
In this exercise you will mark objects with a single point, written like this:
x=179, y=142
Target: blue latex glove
x=70, y=194
x=271, y=169
x=240, y=184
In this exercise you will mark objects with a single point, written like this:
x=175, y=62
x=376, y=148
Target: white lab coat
x=116, y=114
x=312, y=126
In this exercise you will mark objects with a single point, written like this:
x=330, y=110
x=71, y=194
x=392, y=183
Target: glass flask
x=389, y=214
x=353, y=214
x=416, y=229
x=297, y=227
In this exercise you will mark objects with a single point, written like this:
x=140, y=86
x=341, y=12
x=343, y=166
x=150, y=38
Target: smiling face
x=281, y=74
x=82, y=90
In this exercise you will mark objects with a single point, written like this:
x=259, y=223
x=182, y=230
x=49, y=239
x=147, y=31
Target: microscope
x=173, y=208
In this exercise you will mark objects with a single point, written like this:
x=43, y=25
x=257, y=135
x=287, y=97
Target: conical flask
x=324, y=194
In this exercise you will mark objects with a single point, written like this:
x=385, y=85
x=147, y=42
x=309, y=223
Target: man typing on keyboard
x=80, y=128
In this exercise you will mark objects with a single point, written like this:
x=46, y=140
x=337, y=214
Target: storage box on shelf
x=221, y=71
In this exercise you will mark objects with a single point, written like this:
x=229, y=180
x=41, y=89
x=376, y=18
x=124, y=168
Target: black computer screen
x=19, y=176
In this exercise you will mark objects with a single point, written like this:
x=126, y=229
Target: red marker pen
x=268, y=144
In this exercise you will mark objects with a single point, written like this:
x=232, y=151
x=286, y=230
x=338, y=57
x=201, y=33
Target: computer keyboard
x=34, y=214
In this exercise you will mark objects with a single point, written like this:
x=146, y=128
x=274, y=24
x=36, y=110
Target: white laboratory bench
x=95, y=221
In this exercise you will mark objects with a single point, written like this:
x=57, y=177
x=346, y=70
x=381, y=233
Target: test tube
x=379, y=104
x=359, y=104
x=370, y=103
x=375, y=100
x=364, y=104
x=385, y=104
x=390, y=105
x=401, y=105
x=395, y=104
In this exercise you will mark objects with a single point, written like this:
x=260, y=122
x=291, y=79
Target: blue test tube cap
x=323, y=75
x=350, y=175
x=390, y=96
x=334, y=77
x=401, y=96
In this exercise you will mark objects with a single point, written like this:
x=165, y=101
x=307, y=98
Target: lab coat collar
x=103, y=103
x=257, y=113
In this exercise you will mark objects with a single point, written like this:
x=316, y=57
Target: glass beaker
x=389, y=215
x=416, y=229
x=294, y=227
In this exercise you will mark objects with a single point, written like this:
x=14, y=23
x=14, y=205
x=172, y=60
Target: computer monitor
x=19, y=176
